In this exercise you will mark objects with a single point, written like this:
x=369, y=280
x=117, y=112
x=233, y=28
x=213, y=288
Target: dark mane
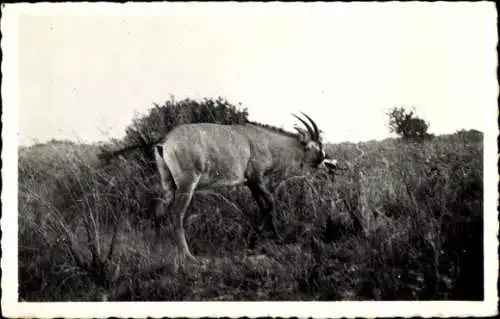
x=272, y=128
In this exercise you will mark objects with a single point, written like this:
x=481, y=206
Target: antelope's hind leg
x=178, y=210
x=177, y=199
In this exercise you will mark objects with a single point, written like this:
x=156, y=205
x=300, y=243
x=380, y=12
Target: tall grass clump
x=399, y=221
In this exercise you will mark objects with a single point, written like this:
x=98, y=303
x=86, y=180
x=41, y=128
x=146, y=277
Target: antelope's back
x=219, y=153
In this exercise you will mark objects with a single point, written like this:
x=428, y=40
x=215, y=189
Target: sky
x=83, y=74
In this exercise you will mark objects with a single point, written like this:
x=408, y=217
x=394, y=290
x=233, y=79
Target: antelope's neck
x=285, y=148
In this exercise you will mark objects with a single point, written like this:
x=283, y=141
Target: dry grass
x=403, y=222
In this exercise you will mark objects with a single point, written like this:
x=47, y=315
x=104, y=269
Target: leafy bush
x=408, y=125
x=162, y=119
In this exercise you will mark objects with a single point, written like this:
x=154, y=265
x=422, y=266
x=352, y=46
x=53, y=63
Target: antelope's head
x=310, y=140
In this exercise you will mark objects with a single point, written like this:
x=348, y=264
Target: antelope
x=200, y=156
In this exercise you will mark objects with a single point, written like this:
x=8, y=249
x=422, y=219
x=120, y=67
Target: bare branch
x=90, y=240
x=113, y=241
x=76, y=257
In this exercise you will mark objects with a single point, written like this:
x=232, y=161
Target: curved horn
x=316, y=130
x=309, y=129
x=301, y=132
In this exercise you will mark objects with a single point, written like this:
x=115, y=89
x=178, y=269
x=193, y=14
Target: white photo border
x=11, y=307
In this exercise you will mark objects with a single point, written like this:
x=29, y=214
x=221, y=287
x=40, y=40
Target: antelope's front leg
x=270, y=211
x=265, y=201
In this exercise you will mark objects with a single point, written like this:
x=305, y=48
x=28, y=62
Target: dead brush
x=92, y=257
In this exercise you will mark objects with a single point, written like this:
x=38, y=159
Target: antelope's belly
x=220, y=177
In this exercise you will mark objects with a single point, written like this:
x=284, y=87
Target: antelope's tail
x=106, y=156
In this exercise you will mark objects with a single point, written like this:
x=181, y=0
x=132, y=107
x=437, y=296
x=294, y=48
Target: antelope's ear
x=303, y=136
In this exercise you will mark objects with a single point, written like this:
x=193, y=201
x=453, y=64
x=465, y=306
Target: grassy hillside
x=402, y=222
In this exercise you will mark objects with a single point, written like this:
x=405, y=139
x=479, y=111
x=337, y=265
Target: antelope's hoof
x=192, y=260
x=203, y=262
x=197, y=263
x=278, y=237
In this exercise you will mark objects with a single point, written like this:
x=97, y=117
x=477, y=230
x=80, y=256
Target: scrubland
x=401, y=221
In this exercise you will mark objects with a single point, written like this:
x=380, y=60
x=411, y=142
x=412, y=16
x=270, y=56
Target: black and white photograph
x=333, y=159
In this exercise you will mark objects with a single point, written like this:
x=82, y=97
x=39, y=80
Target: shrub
x=408, y=125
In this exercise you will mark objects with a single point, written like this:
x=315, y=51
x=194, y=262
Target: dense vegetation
x=403, y=221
